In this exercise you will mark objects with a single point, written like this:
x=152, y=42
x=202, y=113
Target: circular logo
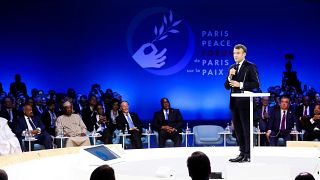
x=160, y=41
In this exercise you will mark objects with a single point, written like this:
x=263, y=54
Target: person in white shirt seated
x=9, y=143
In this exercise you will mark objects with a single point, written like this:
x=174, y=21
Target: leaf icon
x=161, y=29
x=164, y=19
x=163, y=37
x=155, y=30
x=171, y=16
x=176, y=23
x=174, y=31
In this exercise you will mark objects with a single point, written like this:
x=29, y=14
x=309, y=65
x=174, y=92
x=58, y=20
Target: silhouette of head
x=304, y=176
x=103, y=172
x=199, y=165
x=3, y=175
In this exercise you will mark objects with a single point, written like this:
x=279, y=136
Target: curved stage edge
x=270, y=163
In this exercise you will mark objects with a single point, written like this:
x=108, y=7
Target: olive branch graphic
x=166, y=28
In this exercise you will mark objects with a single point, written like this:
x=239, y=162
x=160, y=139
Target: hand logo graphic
x=154, y=60
x=151, y=60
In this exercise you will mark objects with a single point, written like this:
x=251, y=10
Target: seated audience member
x=9, y=143
x=49, y=117
x=168, y=122
x=3, y=175
x=72, y=126
x=82, y=104
x=113, y=113
x=313, y=126
x=33, y=124
x=104, y=172
x=262, y=116
x=131, y=121
x=199, y=166
x=281, y=122
x=304, y=176
x=88, y=112
x=304, y=112
x=101, y=123
x=9, y=112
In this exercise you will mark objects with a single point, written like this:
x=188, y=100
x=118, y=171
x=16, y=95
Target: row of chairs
x=203, y=135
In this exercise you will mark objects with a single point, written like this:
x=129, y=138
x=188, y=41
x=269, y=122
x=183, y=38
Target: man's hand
x=316, y=117
x=35, y=132
x=232, y=72
x=134, y=129
x=234, y=83
x=268, y=134
x=83, y=134
x=102, y=119
x=266, y=115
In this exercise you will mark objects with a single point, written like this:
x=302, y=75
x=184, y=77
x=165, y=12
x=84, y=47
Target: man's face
x=115, y=106
x=305, y=101
x=83, y=101
x=93, y=101
x=238, y=55
x=28, y=111
x=8, y=103
x=317, y=110
x=68, y=110
x=265, y=101
x=52, y=107
x=165, y=104
x=100, y=110
x=125, y=107
x=284, y=103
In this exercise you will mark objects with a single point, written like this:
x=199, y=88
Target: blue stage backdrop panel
x=150, y=49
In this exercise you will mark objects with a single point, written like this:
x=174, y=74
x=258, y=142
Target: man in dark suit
x=132, y=122
x=281, y=122
x=88, y=112
x=304, y=112
x=49, y=117
x=168, y=122
x=101, y=123
x=9, y=112
x=242, y=76
x=33, y=124
x=262, y=115
x=312, y=126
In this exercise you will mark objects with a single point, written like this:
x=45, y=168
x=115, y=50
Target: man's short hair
x=241, y=46
x=103, y=172
x=3, y=175
x=304, y=176
x=199, y=165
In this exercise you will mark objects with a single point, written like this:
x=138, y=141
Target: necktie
x=305, y=111
x=166, y=115
x=130, y=122
x=264, y=112
x=31, y=123
x=10, y=114
x=237, y=68
x=283, y=122
x=53, y=119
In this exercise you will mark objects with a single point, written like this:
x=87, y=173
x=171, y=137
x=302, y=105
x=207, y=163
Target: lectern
x=250, y=95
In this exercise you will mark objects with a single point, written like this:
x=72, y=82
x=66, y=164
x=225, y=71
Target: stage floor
x=270, y=163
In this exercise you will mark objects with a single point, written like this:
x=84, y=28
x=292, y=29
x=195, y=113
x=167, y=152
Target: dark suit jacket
x=310, y=127
x=5, y=114
x=46, y=120
x=247, y=74
x=175, y=119
x=93, y=121
x=122, y=121
x=275, y=120
x=22, y=125
x=258, y=116
x=300, y=112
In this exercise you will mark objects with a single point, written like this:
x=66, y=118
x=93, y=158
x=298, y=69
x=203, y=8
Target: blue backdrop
x=62, y=44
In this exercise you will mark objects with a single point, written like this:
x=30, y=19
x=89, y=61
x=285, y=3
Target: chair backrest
x=207, y=135
x=208, y=131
